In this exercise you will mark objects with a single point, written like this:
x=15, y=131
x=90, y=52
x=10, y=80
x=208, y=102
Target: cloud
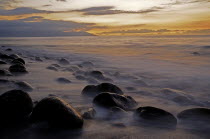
x=37, y=26
x=20, y=11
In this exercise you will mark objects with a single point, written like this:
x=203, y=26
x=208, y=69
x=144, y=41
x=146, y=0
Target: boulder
x=117, y=113
x=57, y=113
x=90, y=114
x=4, y=56
x=15, y=105
x=155, y=116
x=4, y=73
x=18, y=61
x=24, y=85
x=109, y=100
x=8, y=49
x=17, y=68
x=92, y=90
x=15, y=56
x=2, y=62
x=63, y=80
x=63, y=61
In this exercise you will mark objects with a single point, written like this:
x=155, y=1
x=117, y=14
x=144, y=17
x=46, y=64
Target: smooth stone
x=92, y=90
x=109, y=100
x=155, y=116
x=56, y=65
x=80, y=77
x=86, y=63
x=18, y=60
x=63, y=80
x=17, y=68
x=63, y=61
x=15, y=56
x=4, y=56
x=90, y=114
x=117, y=113
x=57, y=113
x=38, y=59
x=96, y=74
x=4, y=73
x=8, y=49
x=2, y=62
x=24, y=85
x=4, y=81
x=15, y=105
x=196, y=53
x=195, y=114
x=52, y=68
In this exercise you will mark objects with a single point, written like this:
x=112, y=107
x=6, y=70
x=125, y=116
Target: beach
x=171, y=73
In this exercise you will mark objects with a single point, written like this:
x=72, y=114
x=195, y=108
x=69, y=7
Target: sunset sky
x=104, y=17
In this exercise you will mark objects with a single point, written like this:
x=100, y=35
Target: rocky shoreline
x=109, y=102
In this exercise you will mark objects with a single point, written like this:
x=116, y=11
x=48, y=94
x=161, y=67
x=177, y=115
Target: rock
x=86, y=64
x=109, y=100
x=18, y=61
x=2, y=62
x=15, y=56
x=56, y=65
x=63, y=80
x=8, y=49
x=4, y=73
x=90, y=114
x=117, y=113
x=15, y=105
x=38, y=59
x=155, y=116
x=80, y=77
x=2, y=46
x=17, y=68
x=196, y=53
x=92, y=90
x=96, y=74
x=52, y=68
x=4, y=56
x=63, y=61
x=4, y=81
x=57, y=113
x=119, y=125
x=195, y=114
x=24, y=85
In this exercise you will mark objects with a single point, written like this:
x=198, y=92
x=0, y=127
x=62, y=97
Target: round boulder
x=17, y=68
x=2, y=62
x=18, y=61
x=15, y=105
x=24, y=85
x=92, y=90
x=57, y=113
x=155, y=116
x=63, y=61
x=109, y=100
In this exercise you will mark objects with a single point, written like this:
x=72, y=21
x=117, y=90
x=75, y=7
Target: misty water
x=172, y=73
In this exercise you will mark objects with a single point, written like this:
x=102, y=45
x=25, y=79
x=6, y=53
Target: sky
x=104, y=17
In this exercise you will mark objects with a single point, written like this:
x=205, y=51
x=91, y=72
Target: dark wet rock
x=63, y=80
x=155, y=116
x=63, y=61
x=206, y=47
x=24, y=86
x=5, y=73
x=17, y=68
x=18, y=60
x=15, y=105
x=117, y=113
x=92, y=90
x=109, y=100
x=15, y=56
x=108, y=87
x=8, y=49
x=4, y=56
x=52, y=68
x=2, y=62
x=57, y=113
x=196, y=53
x=56, y=65
x=80, y=77
x=86, y=64
x=90, y=114
x=38, y=59
x=92, y=81
x=97, y=74
x=195, y=118
x=4, y=81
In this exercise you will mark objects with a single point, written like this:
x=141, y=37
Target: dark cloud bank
x=38, y=27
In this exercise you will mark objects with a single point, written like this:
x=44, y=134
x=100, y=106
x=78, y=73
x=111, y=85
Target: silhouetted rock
x=4, y=56
x=15, y=105
x=17, y=68
x=155, y=116
x=57, y=113
x=92, y=90
x=2, y=62
x=196, y=53
x=109, y=100
x=117, y=113
x=90, y=114
x=195, y=118
x=24, y=86
x=18, y=61
x=52, y=68
x=86, y=64
x=8, y=49
x=63, y=80
x=63, y=61
x=15, y=56
x=97, y=74
x=4, y=73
